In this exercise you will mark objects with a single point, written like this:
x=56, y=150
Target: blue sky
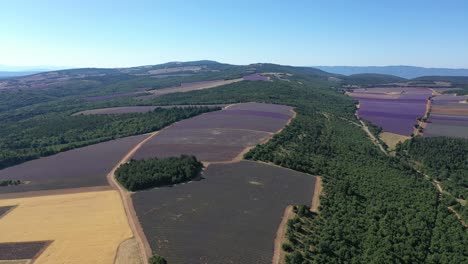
x=129, y=33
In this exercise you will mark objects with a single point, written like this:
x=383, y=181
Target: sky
x=84, y=33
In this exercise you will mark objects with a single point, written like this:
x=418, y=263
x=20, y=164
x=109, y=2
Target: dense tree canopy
x=143, y=174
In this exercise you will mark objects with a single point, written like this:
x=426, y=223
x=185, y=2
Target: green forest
x=137, y=175
x=443, y=159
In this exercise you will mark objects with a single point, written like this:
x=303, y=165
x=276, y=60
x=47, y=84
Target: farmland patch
x=82, y=167
x=395, y=110
x=223, y=218
x=135, y=109
x=218, y=136
x=84, y=227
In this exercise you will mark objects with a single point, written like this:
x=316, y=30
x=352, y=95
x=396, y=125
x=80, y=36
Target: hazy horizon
x=327, y=33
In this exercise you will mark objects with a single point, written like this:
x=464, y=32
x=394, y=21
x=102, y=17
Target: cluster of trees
x=143, y=174
x=375, y=208
x=157, y=260
x=46, y=135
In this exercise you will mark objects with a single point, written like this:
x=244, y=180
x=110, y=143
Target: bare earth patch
x=392, y=139
x=128, y=253
x=84, y=227
x=279, y=254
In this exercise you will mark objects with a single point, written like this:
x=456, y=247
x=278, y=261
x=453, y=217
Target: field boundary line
x=145, y=249
x=278, y=254
x=318, y=188
x=29, y=194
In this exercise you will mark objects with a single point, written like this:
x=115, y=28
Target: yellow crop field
x=85, y=227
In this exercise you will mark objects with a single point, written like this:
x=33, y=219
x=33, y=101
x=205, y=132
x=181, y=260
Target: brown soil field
x=22, y=250
x=82, y=167
x=392, y=139
x=230, y=216
x=84, y=227
x=17, y=261
x=317, y=192
x=133, y=109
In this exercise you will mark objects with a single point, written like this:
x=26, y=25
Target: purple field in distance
x=229, y=216
x=396, y=115
x=218, y=136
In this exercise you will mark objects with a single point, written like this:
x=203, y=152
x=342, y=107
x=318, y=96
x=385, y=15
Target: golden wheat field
x=85, y=227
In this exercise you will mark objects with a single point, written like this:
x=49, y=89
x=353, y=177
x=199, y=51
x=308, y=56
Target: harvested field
x=135, y=109
x=22, y=250
x=392, y=139
x=82, y=167
x=84, y=227
x=230, y=216
x=218, y=136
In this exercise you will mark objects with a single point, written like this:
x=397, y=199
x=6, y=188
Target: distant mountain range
x=17, y=71
x=408, y=72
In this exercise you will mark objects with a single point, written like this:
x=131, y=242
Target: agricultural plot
x=218, y=136
x=394, y=109
x=230, y=216
x=135, y=109
x=82, y=167
x=82, y=228
x=449, y=117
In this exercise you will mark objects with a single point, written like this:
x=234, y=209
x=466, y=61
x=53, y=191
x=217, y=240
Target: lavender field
x=394, y=109
x=218, y=136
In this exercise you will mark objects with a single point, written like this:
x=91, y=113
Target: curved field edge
x=361, y=184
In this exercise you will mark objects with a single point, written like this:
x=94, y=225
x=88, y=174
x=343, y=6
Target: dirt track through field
x=278, y=254
x=372, y=137
x=145, y=250
x=317, y=192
